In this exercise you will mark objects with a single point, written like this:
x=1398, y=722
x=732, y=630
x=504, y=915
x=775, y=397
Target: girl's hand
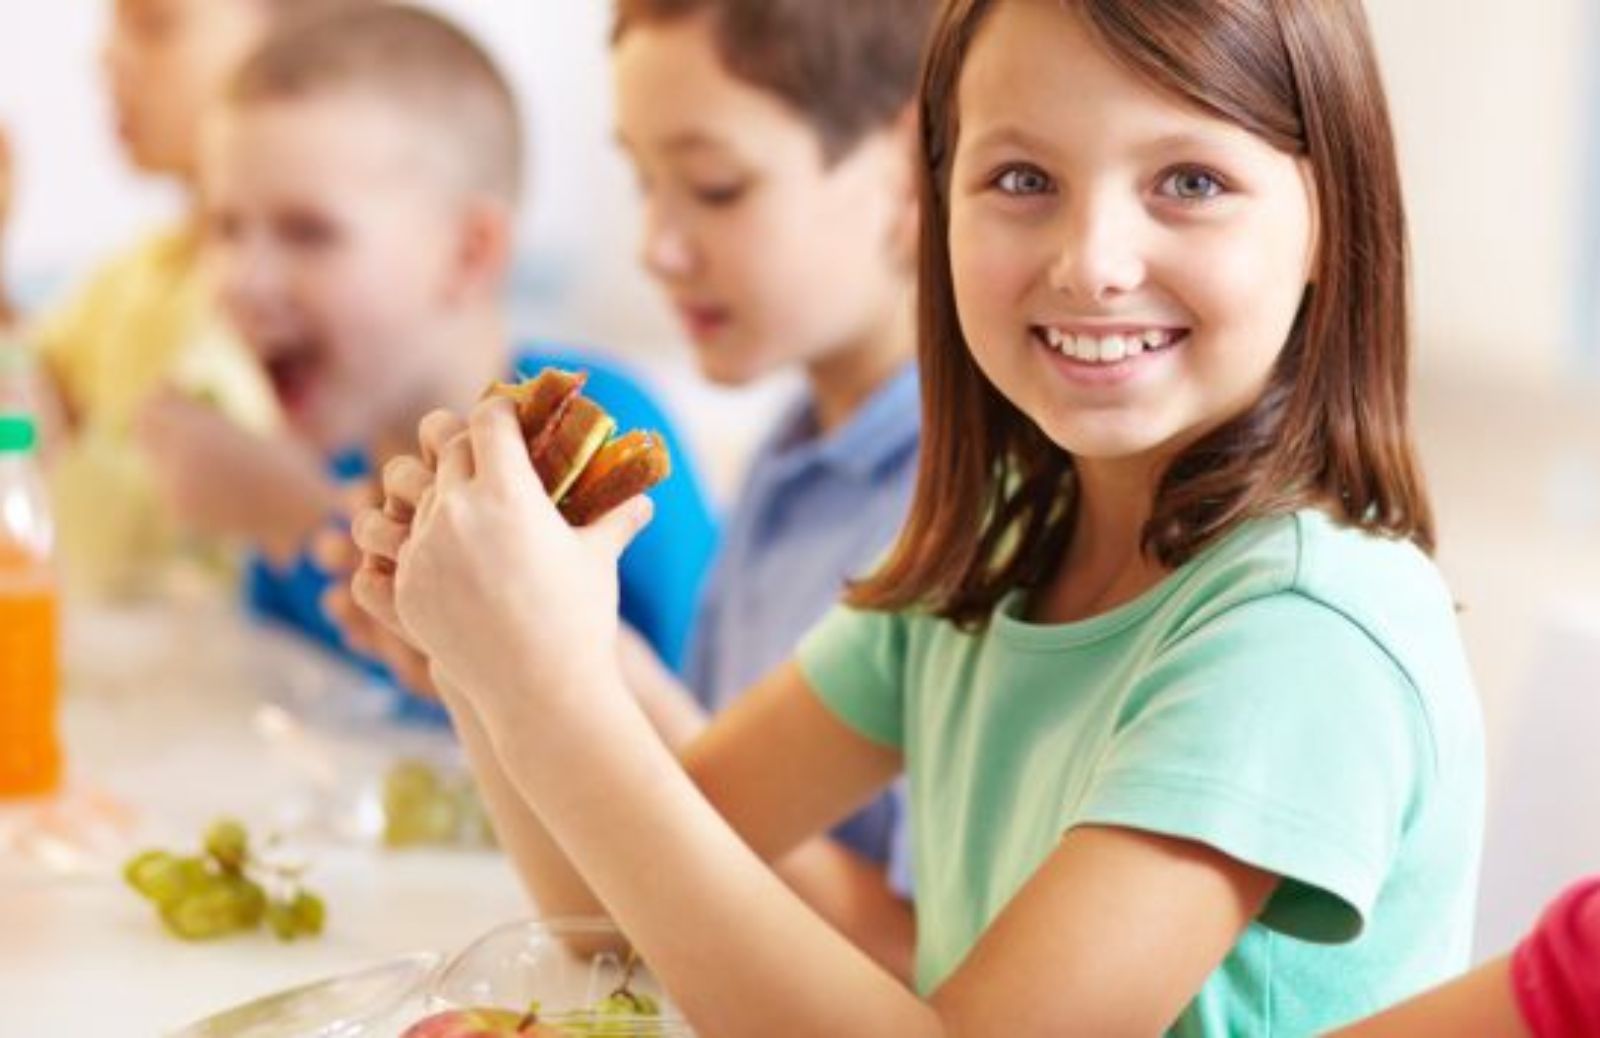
x=381, y=522
x=379, y=532
x=496, y=588
x=339, y=556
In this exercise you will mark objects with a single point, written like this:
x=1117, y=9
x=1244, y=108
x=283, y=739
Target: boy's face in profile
x=165, y=60
x=335, y=250
x=770, y=255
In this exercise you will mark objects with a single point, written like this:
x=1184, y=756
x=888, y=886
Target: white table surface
x=176, y=715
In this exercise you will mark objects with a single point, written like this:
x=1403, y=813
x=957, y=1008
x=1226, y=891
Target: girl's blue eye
x=1192, y=185
x=1022, y=180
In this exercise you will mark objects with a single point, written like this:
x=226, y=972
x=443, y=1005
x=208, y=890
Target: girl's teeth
x=1108, y=350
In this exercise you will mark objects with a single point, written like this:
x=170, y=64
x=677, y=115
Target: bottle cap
x=18, y=434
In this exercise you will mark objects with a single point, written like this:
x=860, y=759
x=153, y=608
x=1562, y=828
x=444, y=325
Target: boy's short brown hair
x=428, y=68
x=849, y=67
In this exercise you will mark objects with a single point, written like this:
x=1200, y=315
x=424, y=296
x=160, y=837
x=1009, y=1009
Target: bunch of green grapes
x=421, y=807
x=212, y=894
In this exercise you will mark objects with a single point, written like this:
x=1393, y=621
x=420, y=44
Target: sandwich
x=585, y=467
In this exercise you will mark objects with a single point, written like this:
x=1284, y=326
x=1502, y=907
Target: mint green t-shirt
x=1296, y=696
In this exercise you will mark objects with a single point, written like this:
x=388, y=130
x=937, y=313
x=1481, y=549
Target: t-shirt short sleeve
x=855, y=662
x=1282, y=734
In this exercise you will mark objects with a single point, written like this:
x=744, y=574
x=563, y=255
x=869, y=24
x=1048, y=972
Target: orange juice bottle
x=30, y=750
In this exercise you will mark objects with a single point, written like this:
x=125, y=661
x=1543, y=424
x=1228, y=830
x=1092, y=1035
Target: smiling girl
x=1191, y=740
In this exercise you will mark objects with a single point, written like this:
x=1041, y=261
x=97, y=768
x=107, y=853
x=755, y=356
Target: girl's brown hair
x=996, y=500
x=848, y=67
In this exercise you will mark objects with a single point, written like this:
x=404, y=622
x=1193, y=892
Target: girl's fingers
x=374, y=592
x=436, y=430
x=378, y=535
x=359, y=629
x=455, y=465
x=617, y=529
x=498, y=449
x=405, y=480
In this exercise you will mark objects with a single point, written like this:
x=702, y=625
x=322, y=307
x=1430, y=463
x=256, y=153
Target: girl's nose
x=1100, y=257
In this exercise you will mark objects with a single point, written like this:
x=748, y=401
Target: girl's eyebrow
x=1184, y=140
x=1009, y=135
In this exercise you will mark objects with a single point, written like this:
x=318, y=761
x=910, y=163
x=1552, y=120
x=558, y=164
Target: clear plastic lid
x=354, y=1005
x=570, y=969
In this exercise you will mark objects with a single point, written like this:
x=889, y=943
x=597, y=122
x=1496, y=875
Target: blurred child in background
x=362, y=178
x=145, y=319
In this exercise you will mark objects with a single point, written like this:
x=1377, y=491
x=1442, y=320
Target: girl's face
x=770, y=255
x=1127, y=267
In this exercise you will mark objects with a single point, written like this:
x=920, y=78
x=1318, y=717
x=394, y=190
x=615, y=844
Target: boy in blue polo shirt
x=784, y=238
x=361, y=182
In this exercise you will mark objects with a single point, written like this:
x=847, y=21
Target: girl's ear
x=484, y=245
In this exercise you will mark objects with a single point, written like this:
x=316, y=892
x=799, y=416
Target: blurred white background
x=1495, y=102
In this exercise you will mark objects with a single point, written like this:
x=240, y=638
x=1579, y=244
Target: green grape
x=200, y=915
x=249, y=900
x=300, y=916
x=281, y=921
x=433, y=820
x=410, y=781
x=144, y=871
x=417, y=807
x=309, y=913
x=165, y=878
x=228, y=844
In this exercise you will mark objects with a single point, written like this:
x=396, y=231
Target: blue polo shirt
x=814, y=512
x=660, y=574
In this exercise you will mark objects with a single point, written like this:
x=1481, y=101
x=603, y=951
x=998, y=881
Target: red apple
x=480, y=1023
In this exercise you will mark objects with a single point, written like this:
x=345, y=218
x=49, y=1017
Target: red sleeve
x=1556, y=970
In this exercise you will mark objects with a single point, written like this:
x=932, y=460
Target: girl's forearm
x=849, y=891
x=546, y=874
x=740, y=951
x=853, y=894
x=673, y=712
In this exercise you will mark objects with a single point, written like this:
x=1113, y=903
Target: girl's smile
x=1107, y=356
